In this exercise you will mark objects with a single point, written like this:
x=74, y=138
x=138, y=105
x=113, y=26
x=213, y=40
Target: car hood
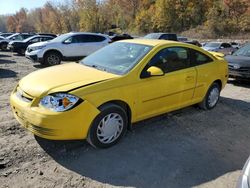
x=62, y=78
x=38, y=44
x=243, y=61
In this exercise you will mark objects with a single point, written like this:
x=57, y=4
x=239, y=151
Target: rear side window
x=171, y=59
x=37, y=39
x=169, y=37
x=225, y=45
x=91, y=38
x=45, y=38
x=199, y=58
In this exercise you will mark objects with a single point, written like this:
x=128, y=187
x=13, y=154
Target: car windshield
x=244, y=51
x=213, y=44
x=152, y=36
x=61, y=38
x=9, y=37
x=117, y=58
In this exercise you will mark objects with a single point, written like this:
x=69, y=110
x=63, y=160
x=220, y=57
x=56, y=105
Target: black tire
x=3, y=46
x=106, y=110
x=21, y=52
x=52, y=58
x=207, y=103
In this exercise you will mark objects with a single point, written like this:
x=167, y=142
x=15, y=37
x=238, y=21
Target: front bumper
x=239, y=74
x=33, y=57
x=69, y=125
x=243, y=181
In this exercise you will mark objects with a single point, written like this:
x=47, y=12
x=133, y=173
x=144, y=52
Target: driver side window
x=171, y=59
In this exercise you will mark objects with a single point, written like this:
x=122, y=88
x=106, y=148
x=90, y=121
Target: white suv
x=69, y=46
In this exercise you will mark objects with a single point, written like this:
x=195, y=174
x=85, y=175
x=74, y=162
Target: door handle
x=188, y=78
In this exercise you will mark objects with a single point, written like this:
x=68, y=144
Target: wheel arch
x=53, y=50
x=123, y=105
x=218, y=81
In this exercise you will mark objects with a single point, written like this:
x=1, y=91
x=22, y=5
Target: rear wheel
x=52, y=58
x=212, y=97
x=108, y=127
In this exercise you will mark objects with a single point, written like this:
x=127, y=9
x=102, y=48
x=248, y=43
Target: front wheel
x=108, y=127
x=52, y=58
x=3, y=46
x=212, y=97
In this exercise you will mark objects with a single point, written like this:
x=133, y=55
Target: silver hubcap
x=213, y=97
x=53, y=59
x=110, y=128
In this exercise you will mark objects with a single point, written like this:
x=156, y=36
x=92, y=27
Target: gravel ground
x=185, y=148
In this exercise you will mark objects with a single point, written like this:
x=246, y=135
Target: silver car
x=244, y=180
x=221, y=47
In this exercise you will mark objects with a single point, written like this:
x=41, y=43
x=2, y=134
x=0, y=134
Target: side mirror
x=221, y=47
x=152, y=71
x=67, y=42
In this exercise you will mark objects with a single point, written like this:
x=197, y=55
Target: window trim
x=193, y=62
x=163, y=48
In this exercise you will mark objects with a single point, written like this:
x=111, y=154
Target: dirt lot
x=186, y=148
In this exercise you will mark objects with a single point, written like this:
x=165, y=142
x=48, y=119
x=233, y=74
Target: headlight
x=59, y=102
x=38, y=48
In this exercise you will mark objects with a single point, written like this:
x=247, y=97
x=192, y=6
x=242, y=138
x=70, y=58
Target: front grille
x=23, y=96
x=240, y=69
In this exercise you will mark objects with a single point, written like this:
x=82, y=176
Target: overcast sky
x=12, y=6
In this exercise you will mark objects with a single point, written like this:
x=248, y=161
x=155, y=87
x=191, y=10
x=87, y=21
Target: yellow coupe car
x=99, y=98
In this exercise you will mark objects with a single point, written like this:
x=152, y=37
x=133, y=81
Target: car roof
x=88, y=33
x=151, y=42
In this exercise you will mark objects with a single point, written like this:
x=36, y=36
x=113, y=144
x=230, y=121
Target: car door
x=90, y=43
x=71, y=47
x=159, y=94
x=206, y=73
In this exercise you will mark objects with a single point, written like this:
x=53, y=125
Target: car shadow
x=184, y=148
x=5, y=73
x=1, y=55
x=3, y=61
x=18, y=55
x=39, y=66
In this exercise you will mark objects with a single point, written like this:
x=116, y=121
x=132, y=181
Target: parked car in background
x=70, y=46
x=239, y=63
x=6, y=34
x=116, y=37
x=194, y=42
x=244, y=179
x=17, y=36
x=163, y=36
x=125, y=82
x=203, y=44
x=221, y=47
x=235, y=45
x=182, y=39
x=2, y=38
x=21, y=46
